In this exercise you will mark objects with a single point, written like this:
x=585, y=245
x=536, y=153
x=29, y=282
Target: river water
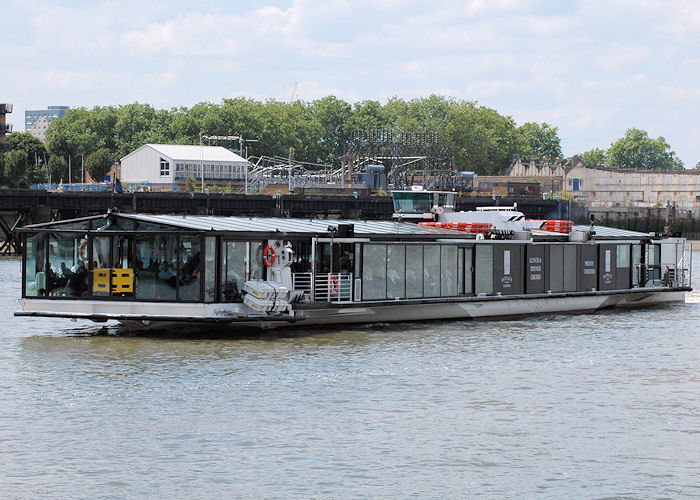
x=587, y=406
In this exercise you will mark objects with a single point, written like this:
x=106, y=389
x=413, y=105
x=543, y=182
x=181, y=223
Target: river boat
x=159, y=271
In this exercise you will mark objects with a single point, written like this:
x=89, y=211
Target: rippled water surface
x=584, y=406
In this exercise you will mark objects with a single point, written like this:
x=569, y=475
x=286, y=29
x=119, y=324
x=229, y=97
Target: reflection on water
x=601, y=405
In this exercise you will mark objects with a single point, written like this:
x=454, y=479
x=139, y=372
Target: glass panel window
x=233, y=263
x=484, y=269
x=188, y=274
x=414, y=271
x=448, y=270
x=256, y=266
x=210, y=270
x=35, y=272
x=431, y=281
x=468, y=271
x=396, y=271
x=67, y=272
x=636, y=261
x=374, y=272
x=155, y=260
x=623, y=256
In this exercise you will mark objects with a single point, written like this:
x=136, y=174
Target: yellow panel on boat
x=122, y=281
x=100, y=281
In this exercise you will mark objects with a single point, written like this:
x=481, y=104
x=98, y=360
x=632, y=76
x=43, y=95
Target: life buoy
x=333, y=285
x=82, y=250
x=269, y=256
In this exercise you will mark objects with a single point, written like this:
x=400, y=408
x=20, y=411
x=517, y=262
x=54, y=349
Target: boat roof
x=301, y=227
x=260, y=225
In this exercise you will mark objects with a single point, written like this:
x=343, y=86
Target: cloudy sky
x=590, y=68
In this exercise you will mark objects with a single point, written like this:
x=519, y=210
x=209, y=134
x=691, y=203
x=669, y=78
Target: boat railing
x=333, y=287
x=302, y=282
x=325, y=287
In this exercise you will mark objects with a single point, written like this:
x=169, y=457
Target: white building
x=174, y=163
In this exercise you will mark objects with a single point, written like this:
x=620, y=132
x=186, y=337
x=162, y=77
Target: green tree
x=16, y=167
x=331, y=117
x=190, y=184
x=98, y=164
x=697, y=166
x=367, y=115
x=539, y=140
x=26, y=142
x=480, y=139
x=595, y=156
x=58, y=169
x=638, y=150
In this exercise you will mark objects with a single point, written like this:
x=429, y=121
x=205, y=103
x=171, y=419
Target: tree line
x=478, y=138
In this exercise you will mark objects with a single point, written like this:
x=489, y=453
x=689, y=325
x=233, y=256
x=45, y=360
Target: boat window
x=414, y=271
x=448, y=270
x=34, y=272
x=468, y=271
x=636, y=262
x=155, y=267
x=210, y=270
x=301, y=257
x=623, y=256
x=255, y=259
x=484, y=270
x=188, y=272
x=460, y=270
x=396, y=271
x=233, y=260
x=374, y=272
x=431, y=261
x=411, y=202
x=446, y=200
x=67, y=270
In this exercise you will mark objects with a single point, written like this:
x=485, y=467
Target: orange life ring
x=269, y=256
x=82, y=250
x=334, y=284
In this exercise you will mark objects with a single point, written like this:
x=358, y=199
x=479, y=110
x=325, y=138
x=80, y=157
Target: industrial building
x=5, y=128
x=615, y=186
x=162, y=165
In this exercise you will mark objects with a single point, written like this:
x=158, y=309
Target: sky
x=592, y=69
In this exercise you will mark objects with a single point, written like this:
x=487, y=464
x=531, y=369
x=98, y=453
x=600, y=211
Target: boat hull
x=149, y=316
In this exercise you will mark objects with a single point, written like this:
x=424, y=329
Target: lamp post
x=201, y=159
x=247, y=163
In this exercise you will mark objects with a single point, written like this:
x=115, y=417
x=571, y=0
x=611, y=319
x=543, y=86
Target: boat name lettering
x=535, y=269
x=535, y=260
x=535, y=277
x=589, y=271
x=589, y=263
x=221, y=312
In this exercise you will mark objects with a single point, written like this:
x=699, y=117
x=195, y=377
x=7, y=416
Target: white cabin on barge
x=150, y=271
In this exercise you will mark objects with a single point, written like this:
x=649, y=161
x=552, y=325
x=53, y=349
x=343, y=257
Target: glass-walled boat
x=157, y=270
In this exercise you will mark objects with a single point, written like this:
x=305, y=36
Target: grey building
x=38, y=120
